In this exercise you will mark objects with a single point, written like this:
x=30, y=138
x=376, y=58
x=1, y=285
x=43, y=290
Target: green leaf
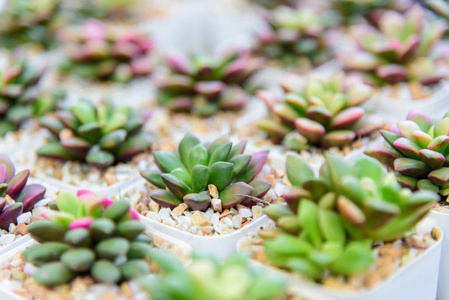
x=331, y=226
x=167, y=161
x=298, y=171
x=85, y=112
x=182, y=175
x=200, y=178
x=220, y=174
x=69, y=203
x=154, y=177
x=188, y=143
x=308, y=219
x=198, y=156
x=369, y=167
x=356, y=258
x=220, y=154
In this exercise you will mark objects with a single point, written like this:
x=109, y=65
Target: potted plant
x=350, y=229
x=403, y=64
x=85, y=242
x=205, y=277
x=89, y=144
x=17, y=201
x=105, y=52
x=30, y=22
x=319, y=115
x=207, y=195
x=416, y=150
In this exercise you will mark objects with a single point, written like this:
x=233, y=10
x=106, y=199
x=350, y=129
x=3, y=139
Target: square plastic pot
x=442, y=219
x=415, y=281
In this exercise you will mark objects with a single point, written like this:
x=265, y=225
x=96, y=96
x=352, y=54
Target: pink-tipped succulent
x=83, y=236
x=204, y=85
x=197, y=174
x=323, y=114
x=100, y=135
x=29, y=21
x=417, y=149
x=400, y=49
x=292, y=33
x=104, y=52
x=16, y=197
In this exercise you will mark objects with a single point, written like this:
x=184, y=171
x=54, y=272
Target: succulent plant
x=400, y=49
x=21, y=97
x=104, y=52
x=205, y=277
x=100, y=135
x=24, y=21
x=291, y=33
x=323, y=113
x=204, y=85
x=197, y=175
x=16, y=197
x=331, y=221
x=88, y=234
x=106, y=9
x=416, y=149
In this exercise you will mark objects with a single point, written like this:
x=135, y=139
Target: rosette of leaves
x=29, y=21
x=100, y=135
x=204, y=85
x=21, y=97
x=88, y=235
x=13, y=186
x=417, y=150
x=400, y=49
x=205, y=277
x=293, y=33
x=324, y=113
x=106, y=52
x=332, y=220
x=196, y=174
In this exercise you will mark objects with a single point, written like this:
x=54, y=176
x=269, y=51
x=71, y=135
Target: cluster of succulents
x=293, y=33
x=24, y=21
x=204, y=85
x=100, y=51
x=322, y=113
x=88, y=234
x=400, y=49
x=21, y=97
x=100, y=135
x=220, y=175
x=417, y=150
x=331, y=221
x=16, y=197
x=205, y=277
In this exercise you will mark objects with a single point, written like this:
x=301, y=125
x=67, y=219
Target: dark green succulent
x=25, y=21
x=89, y=235
x=197, y=174
x=21, y=97
x=332, y=220
x=100, y=135
x=204, y=85
x=205, y=278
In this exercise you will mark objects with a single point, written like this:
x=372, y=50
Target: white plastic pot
x=414, y=281
x=443, y=286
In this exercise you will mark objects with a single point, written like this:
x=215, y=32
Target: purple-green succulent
x=100, y=135
x=88, y=234
x=13, y=186
x=29, y=21
x=204, y=85
x=196, y=174
x=323, y=113
x=331, y=221
x=400, y=49
x=104, y=52
x=417, y=150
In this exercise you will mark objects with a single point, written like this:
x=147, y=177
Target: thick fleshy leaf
x=356, y=258
x=390, y=136
x=312, y=130
x=256, y=164
x=422, y=139
x=165, y=198
x=200, y=177
x=277, y=211
x=235, y=194
x=53, y=125
x=175, y=185
x=100, y=159
x=30, y=195
x=407, y=128
x=10, y=170
x=9, y=215
x=76, y=146
x=379, y=213
x=81, y=223
x=298, y=171
x=198, y=156
x=347, y=118
x=188, y=142
x=319, y=114
x=240, y=162
x=442, y=127
x=179, y=63
x=69, y=203
x=392, y=73
x=308, y=219
x=407, y=147
x=197, y=201
x=439, y=177
x=167, y=161
x=433, y=159
x=420, y=118
x=351, y=212
x=113, y=139
x=221, y=153
x=17, y=183
x=411, y=167
x=331, y=226
x=439, y=144
x=237, y=149
x=338, y=138
x=220, y=174
x=154, y=177
x=133, y=145
x=358, y=93
x=3, y=173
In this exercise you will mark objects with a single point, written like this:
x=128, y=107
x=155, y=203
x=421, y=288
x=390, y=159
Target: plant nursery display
x=205, y=278
x=204, y=85
x=100, y=135
x=416, y=150
x=21, y=96
x=102, y=51
x=400, y=49
x=28, y=21
x=292, y=34
x=322, y=113
x=330, y=222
